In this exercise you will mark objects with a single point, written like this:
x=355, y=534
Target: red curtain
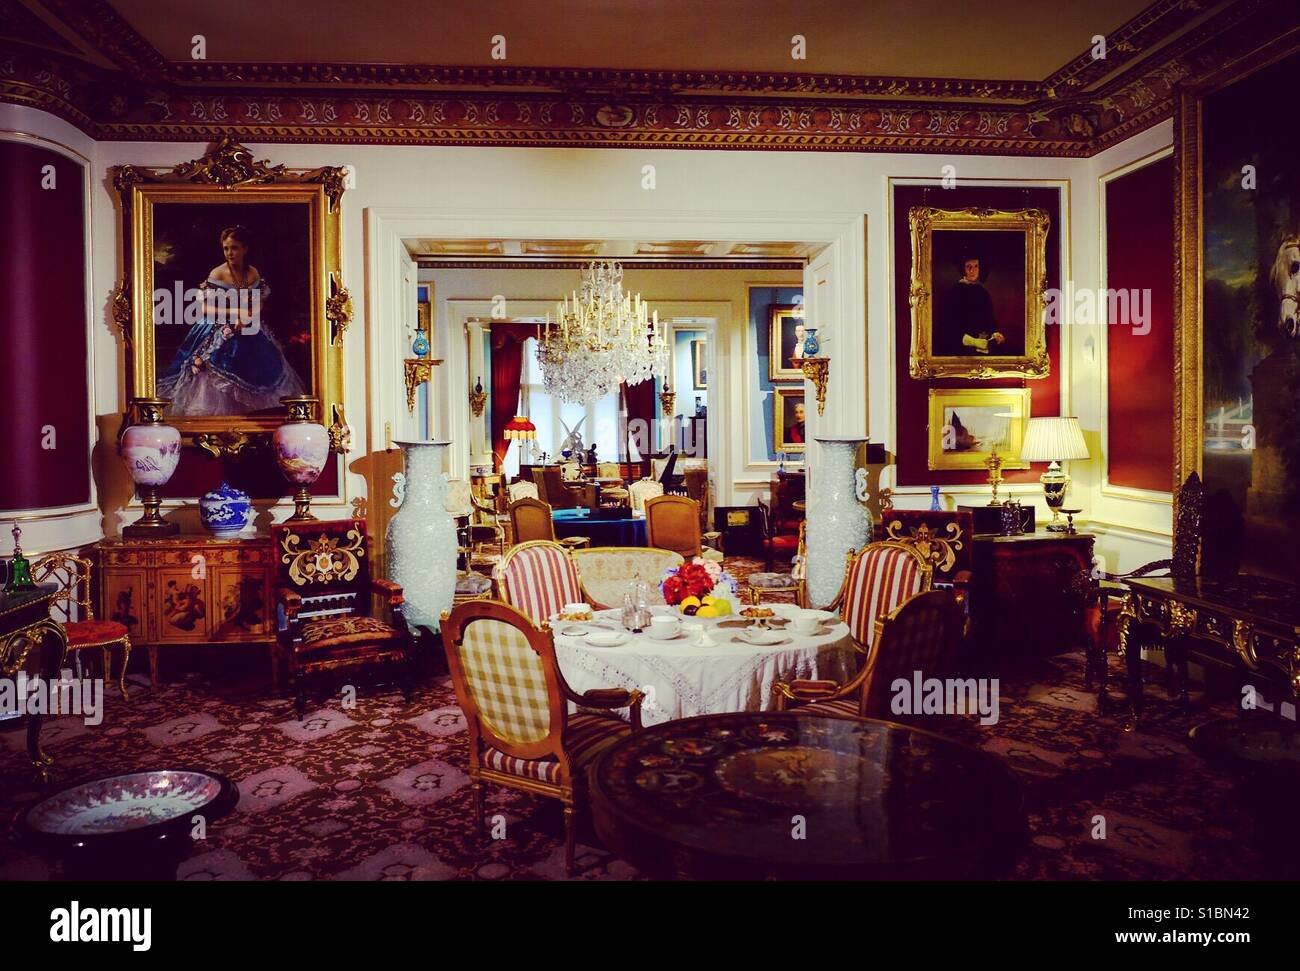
x=640, y=400
x=507, y=369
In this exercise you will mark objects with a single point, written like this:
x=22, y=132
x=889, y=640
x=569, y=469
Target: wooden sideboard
x=1031, y=592
x=189, y=590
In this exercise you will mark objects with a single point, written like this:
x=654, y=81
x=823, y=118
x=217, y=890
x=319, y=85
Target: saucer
x=606, y=638
x=761, y=638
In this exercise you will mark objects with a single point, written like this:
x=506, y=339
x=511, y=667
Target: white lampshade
x=1053, y=440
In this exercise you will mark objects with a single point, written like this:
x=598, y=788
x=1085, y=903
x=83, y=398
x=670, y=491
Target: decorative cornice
x=151, y=99
x=629, y=263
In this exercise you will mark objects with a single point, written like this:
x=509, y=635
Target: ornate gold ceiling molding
x=633, y=109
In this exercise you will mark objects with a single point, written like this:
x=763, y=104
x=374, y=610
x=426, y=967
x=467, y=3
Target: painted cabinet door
x=126, y=600
x=241, y=607
x=183, y=606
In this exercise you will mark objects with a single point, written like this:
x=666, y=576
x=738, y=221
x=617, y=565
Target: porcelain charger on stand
x=420, y=542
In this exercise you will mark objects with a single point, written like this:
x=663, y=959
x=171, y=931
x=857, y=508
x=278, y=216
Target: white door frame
x=842, y=234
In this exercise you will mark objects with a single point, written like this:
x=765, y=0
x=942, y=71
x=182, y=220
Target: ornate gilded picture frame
x=968, y=424
x=978, y=293
x=1237, y=306
x=232, y=293
x=788, y=428
x=699, y=366
x=785, y=343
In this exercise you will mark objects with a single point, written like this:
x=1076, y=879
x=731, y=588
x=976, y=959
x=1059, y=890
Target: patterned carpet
x=380, y=791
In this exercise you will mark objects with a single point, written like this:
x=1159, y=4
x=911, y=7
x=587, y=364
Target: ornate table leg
x=1133, y=656
x=1182, y=622
x=126, y=659
x=15, y=660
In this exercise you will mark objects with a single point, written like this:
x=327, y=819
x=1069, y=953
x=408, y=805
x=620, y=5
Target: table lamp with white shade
x=1054, y=440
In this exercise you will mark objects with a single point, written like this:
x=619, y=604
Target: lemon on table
x=690, y=602
x=723, y=607
x=709, y=611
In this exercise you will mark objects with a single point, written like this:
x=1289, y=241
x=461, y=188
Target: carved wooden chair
x=615, y=494
x=923, y=634
x=605, y=572
x=1184, y=564
x=878, y=579
x=538, y=578
x=530, y=520
x=324, y=606
x=673, y=523
x=523, y=490
x=516, y=704
x=641, y=490
x=73, y=575
x=781, y=536
x=943, y=538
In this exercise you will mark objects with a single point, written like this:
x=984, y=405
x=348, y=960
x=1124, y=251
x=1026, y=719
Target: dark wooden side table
x=1031, y=591
x=31, y=641
x=1247, y=619
x=763, y=795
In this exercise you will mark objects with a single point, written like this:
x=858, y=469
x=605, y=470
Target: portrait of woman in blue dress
x=230, y=363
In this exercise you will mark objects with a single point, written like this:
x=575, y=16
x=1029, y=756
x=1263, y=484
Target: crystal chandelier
x=601, y=336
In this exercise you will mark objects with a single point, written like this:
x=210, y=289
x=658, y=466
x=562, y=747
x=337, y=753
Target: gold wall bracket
x=818, y=371
x=418, y=371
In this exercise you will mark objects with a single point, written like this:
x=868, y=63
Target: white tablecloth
x=681, y=680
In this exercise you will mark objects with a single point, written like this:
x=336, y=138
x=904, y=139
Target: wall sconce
x=477, y=398
x=418, y=371
x=668, y=401
x=817, y=370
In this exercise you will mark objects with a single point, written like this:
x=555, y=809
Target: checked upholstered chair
x=538, y=578
x=324, y=605
x=879, y=578
x=516, y=704
x=922, y=634
x=72, y=574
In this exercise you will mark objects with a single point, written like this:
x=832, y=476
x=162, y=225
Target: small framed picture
x=967, y=425
x=788, y=420
x=785, y=345
x=699, y=366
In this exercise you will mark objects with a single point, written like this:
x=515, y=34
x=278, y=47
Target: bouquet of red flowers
x=688, y=580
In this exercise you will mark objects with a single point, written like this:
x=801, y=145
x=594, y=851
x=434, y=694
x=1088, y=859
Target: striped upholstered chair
x=538, y=578
x=879, y=578
x=516, y=704
x=922, y=634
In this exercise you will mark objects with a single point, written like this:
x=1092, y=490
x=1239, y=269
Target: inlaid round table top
x=769, y=794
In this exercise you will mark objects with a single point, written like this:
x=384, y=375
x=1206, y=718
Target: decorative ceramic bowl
x=226, y=511
x=125, y=802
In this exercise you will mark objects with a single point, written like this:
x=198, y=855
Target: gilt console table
x=186, y=590
x=1254, y=620
x=25, y=623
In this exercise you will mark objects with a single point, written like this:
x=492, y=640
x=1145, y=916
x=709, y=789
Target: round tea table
x=681, y=680
x=790, y=796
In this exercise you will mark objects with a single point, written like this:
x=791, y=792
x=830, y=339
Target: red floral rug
x=380, y=791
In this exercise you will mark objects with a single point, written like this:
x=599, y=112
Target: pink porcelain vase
x=302, y=447
x=150, y=450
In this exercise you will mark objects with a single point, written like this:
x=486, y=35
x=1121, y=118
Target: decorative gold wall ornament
x=340, y=433
x=228, y=175
x=477, y=399
x=418, y=370
x=668, y=401
x=817, y=370
x=924, y=363
x=325, y=560
x=231, y=444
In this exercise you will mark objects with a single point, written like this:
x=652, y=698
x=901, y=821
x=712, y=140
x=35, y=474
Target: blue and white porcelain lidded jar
x=226, y=511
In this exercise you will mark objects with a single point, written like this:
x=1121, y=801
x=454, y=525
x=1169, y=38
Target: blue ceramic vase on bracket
x=226, y=511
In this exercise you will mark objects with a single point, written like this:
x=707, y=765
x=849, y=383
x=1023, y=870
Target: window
x=596, y=421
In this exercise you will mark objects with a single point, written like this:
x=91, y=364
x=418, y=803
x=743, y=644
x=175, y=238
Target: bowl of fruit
x=699, y=588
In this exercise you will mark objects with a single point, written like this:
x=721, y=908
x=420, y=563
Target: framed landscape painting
x=968, y=424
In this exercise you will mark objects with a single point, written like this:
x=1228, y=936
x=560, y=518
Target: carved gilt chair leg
x=126, y=659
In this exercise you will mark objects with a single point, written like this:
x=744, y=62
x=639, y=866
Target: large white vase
x=837, y=521
x=420, y=543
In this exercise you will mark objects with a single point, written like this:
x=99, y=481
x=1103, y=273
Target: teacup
x=663, y=627
x=806, y=621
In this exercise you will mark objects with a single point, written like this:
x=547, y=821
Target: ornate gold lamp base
x=994, y=464
x=151, y=525
x=302, y=507
x=1055, y=483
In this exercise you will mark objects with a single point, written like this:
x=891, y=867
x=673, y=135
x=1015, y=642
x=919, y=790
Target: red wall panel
x=912, y=396
x=44, y=389
x=1140, y=367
